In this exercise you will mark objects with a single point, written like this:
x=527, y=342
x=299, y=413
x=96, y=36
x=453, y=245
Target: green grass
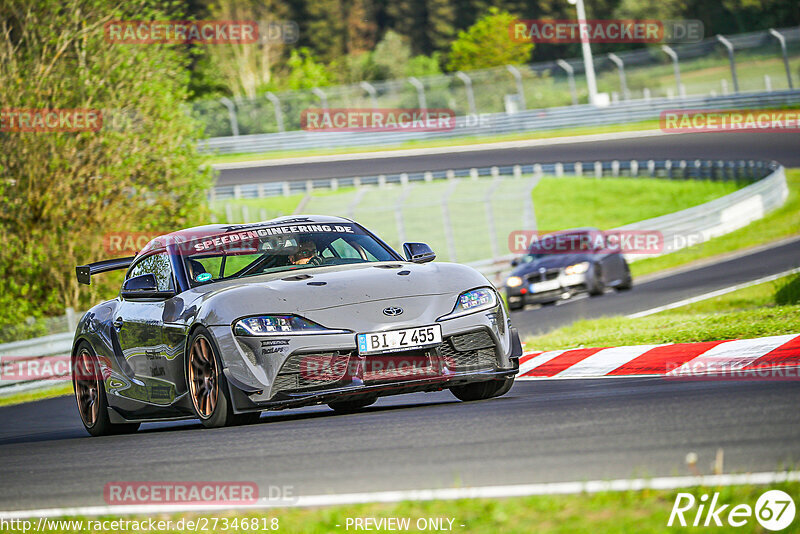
x=59, y=390
x=611, y=202
x=629, y=511
x=781, y=223
x=768, y=309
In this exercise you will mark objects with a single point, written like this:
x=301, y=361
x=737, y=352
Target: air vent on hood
x=404, y=273
x=297, y=277
x=317, y=283
x=390, y=266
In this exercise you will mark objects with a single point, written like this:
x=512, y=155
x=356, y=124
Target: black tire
x=627, y=281
x=351, y=406
x=597, y=288
x=516, y=306
x=482, y=390
x=207, y=385
x=90, y=394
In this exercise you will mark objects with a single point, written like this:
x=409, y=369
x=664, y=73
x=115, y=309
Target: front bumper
x=320, y=369
x=531, y=292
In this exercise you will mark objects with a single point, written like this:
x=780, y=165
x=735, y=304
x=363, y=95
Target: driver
x=306, y=254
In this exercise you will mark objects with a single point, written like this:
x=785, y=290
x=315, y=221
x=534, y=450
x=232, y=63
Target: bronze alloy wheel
x=203, y=379
x=87, y=388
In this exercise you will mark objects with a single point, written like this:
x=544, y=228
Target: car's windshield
x=276, y=248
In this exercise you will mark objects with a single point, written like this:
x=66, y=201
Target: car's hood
x=551, y=261
x=324, y=291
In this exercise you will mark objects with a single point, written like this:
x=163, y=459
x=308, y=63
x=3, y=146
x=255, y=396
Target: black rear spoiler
x=85, y=272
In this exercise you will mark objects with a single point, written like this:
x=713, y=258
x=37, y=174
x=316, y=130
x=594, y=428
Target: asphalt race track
x=779, y=146
x=549, y=431
x=539, y=432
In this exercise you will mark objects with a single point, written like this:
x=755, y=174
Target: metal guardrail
x=20, y=352
x=767, y=192
x=500, y=123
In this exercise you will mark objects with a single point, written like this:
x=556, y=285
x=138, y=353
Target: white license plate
x=548, y=285
x=395, y=340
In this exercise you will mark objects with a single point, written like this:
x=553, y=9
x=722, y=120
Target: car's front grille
x=406, y=365
x=550, y=274
x=472, y=351
x=301, y=371
x=464, y=352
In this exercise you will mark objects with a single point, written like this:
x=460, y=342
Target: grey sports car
x=221, y=322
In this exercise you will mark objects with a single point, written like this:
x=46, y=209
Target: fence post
x=448, y=227
x=285, y=189
x=782, y=41
x=491, y=227
x=571, y=76
x=518, y=77
x=231, y=115
x=676, y=68
x=323, y=98
x=369, y=88
x=276, y=103
x=398, y=214
x=727, y=44
x=616, y=60
x=72, y=320
x=470, y=95
x=420, y=92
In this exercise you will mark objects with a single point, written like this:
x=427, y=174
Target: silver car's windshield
x=272, y=249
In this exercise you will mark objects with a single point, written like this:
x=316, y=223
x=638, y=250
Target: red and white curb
x=741, y=358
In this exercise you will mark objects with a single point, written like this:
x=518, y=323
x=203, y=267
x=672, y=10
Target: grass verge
x=59, y=390
x=781, y=223
x=629, y=511
x=768, y=309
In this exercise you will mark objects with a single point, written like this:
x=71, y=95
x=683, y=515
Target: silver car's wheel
x=87, y=383
x=207, y=385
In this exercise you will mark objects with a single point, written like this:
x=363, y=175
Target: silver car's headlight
x=473, y=301
x=279, y=325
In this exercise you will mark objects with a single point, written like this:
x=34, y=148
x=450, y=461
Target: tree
x=488, y=43
x=246, y=68
x=61, y=192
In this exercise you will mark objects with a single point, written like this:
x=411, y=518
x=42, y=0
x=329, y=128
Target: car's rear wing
x=85, y=272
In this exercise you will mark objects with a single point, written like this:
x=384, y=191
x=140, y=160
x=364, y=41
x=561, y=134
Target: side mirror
x=143, y=286
x=418, y=252
x=515, y=262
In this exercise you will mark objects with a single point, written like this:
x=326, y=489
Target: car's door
x=139, y=324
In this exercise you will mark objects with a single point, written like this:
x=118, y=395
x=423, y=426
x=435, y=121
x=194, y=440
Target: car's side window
x=157, y=265
x=344, y=249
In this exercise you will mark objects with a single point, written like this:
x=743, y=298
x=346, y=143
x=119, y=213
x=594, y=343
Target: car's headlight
x=577, y=268
x=473, y=301
x=276, y=325
x=514, y=281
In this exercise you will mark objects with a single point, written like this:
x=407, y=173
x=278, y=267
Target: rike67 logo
x=774, y=510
